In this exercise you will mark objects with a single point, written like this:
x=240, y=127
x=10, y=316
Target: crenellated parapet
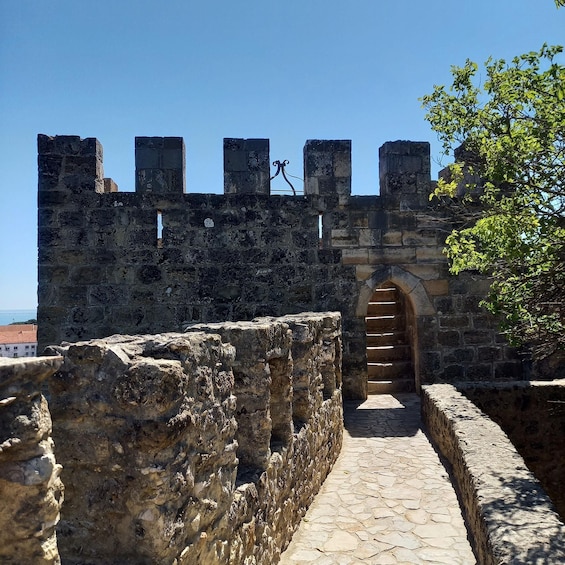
x=162, y=257
x=186, y=447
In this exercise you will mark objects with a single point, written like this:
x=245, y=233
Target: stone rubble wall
x=184, y=447
x=509, y=515
x=532, y=414
x=159, y=258
x=31, y=492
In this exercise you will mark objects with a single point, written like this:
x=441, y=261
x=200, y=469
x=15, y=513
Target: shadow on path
x=401, y=420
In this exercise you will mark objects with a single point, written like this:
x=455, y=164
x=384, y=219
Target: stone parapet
x=158, y=259
x=510, y=517
x=159, y=164
x=30, y=488
x=246, y=166
x=532, y=414
x=327, y=168
x=186, y=447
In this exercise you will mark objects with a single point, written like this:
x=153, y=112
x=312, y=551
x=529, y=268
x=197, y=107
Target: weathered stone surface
x=145, y=426
x=511, y=518
x=532, y=414
x=30, y=488
x=155, y=260
x=186, y=448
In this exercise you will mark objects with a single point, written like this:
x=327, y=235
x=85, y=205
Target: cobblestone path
x=388, y=499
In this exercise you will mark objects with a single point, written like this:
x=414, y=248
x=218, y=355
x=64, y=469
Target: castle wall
x=160, y=259
x=509, y=515
x=186, y=446
x=532, y=414
x=30, y=488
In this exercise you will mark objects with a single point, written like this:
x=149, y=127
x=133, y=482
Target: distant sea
x=12, y=316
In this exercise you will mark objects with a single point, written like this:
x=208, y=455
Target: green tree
x=508, y=190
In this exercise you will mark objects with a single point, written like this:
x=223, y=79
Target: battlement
x=162, y=258
x=69, y=163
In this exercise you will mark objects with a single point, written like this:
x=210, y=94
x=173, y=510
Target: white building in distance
x=18, y=340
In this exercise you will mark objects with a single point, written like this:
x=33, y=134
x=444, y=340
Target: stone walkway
x=388, y=499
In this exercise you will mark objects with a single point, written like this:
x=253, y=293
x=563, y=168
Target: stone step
x=383, y=308
x=384, y=295
x=389, y=371
x=378, y=324
x=390, y=387
x=384, y=353
x=386, y=338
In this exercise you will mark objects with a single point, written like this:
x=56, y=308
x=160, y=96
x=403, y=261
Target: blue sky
x=289, y=71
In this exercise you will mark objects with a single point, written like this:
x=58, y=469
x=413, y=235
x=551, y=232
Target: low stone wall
x=31, y=491
x=532, y=413
x=188, y=448
x=510, y=517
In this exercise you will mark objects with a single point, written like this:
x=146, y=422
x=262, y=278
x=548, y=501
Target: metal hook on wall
x=280, y=169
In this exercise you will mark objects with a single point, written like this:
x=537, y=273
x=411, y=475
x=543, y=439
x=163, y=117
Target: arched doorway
x=390, y=330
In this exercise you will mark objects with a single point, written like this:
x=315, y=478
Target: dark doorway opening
x=389, y=330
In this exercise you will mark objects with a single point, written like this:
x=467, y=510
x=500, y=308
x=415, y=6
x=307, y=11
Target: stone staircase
x=389, y=359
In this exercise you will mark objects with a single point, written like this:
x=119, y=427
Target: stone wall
x=532, y=414
x=188, y=447
x=157, y=259
x=511, y=518
x=30, y=488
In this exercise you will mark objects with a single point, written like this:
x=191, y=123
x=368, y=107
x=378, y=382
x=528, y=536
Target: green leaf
x=507, y=192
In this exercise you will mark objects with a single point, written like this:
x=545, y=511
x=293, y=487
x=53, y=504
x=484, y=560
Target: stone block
x=173, y=158
x=430, y=361
x=246, y=166
x=489, y=353
x=392, y=237
x=147, y=157
x=330, y=163
x=110, y=186
x=420, y=237
x=459, y=321
x=355, y=256
x=345, y=238
x=159, y=165
x=342, y=163
x=458, y=355
x=430, y=254
x=392, y=255
x=437, y=287
x=508, y=370
x=426, y=271
x=370, y=238
x=235, y=161
x=364, y=272
x=449, y=338
x=377, y=219
x=408, y=202
x=477, y=337
x=452, y=373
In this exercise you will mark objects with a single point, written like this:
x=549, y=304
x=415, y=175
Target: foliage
x=509, y=187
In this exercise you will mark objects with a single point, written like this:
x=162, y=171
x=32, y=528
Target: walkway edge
x=511, y=518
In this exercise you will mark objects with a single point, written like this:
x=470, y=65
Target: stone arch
x=410, y=285
x=418, y=305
